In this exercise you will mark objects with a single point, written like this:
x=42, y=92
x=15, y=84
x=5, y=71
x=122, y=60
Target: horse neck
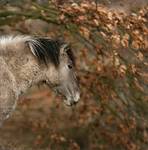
x=24, y=68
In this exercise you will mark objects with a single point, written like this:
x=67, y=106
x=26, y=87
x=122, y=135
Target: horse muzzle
x=72, y=100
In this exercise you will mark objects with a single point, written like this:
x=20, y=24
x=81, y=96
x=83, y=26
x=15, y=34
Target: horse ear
x=62, y=44
x=64, y=48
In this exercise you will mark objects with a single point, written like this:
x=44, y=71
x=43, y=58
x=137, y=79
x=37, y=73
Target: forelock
x=70, y=53
x=46, y=50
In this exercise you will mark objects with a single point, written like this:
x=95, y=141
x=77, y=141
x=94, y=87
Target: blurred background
x=110, y=41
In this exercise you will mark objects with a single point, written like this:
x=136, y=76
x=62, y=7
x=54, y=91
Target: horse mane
x=45, y=49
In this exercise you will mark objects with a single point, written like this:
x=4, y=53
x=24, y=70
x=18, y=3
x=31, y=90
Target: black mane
x=49, y=50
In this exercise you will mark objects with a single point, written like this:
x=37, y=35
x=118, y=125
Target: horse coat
x=26, y=61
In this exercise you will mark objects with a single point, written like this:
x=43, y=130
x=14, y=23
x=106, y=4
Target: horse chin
x=70, y=101
x=67, y=103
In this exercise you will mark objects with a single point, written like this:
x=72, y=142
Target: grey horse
x=26, y=61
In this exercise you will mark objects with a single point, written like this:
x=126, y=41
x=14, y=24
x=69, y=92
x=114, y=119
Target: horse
x=26, y=61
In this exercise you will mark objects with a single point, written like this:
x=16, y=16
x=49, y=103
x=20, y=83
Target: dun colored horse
x=26, y=61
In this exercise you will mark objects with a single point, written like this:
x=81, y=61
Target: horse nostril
x=71, y=103
x=75, y=102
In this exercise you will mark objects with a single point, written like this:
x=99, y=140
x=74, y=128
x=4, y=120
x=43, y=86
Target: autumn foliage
x=111, y=55
x=113, y=71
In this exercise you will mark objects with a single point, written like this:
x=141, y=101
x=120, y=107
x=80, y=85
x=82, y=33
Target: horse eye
x=70, y=66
